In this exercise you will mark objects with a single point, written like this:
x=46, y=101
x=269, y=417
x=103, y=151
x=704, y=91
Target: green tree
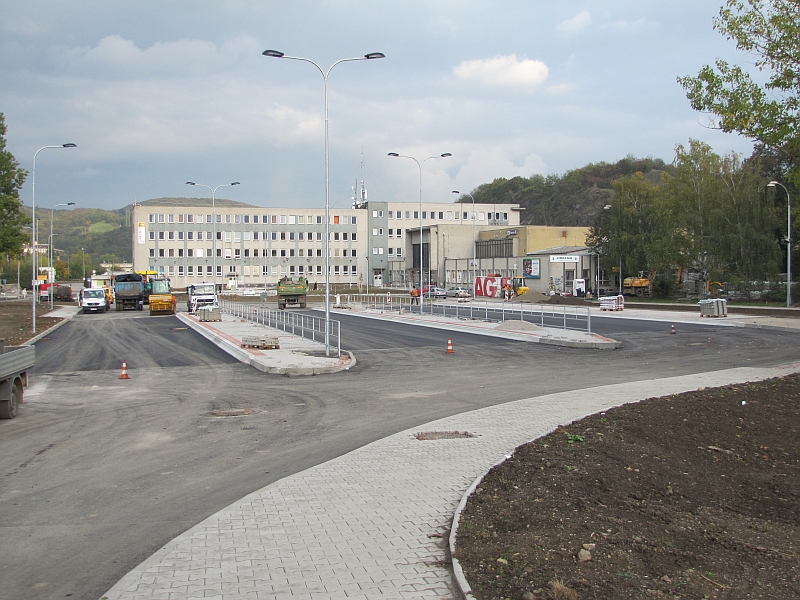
x=768, y=30
x=12, y=236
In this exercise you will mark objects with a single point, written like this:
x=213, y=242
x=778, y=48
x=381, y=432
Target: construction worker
x=414, y=295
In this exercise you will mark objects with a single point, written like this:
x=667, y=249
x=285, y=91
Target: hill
x=573, y=199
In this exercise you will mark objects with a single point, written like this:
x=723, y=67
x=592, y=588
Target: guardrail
x=576, y=318
x=298, y=324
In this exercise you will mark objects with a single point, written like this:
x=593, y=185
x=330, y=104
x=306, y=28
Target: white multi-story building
x=239, y=244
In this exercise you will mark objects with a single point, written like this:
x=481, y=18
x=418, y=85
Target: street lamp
x=474, y=217
x=788, y=242
x=214, y=222
x=52, y=213
x=33, y=230
x=370, y=56
x=419, y=165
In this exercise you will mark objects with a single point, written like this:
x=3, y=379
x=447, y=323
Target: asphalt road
x=98, y=472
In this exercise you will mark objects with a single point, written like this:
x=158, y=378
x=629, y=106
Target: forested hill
x=570, y=200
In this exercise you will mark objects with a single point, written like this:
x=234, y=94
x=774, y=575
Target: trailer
x=15, y=362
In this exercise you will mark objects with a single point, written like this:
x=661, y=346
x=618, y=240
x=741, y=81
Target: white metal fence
x=563, y=316
x=299, y=324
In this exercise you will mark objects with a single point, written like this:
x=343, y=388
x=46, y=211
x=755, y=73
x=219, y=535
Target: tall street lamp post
x=52, y=213
x=33, y=230
x=419, y=165
x=370, y=56
x=788, y=242
x=214, y=222
x=474, y=217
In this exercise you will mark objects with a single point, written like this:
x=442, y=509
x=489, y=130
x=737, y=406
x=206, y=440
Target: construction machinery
x=519, y=285
x=129, y=291
x=199, y=295
x=162, y=300
x=636, y=286
x=15, y=362
x=292, y=292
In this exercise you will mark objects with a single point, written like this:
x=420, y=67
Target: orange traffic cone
x=672, y=329
x=124, y=370
x=449, y=346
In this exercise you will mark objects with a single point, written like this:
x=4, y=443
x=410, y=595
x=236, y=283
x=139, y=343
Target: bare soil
x=16, y=318
x=694, y=495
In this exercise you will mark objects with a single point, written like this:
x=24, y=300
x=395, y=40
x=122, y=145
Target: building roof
x=560, y=250
x=193, y=202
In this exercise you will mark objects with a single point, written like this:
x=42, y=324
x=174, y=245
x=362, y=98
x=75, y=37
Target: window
x=353, y=253
x=180, y=235
x=301, y=220
x=161, y=235
x=171, y=235
x=336, y=252
x=335, y=236
x=319, y=269
x=335, y=219
x=380, y=231
x=227, y=218
x=408, y=215
x=161, y=252
x=336, y=269
x=152, y=252
x=180, y=218
x=247, y=252
x=273, y=235
x=209, y=219
x=283, y=236
x=399, y=215
x=237, y=237
x=353, y=237
x=180, y=270
x=374, y=214
x=319, y=219
x=219, y=252
x=265, y=219
x=352, y=220
x=291, y=269
x=300, y=269
x=375, y=251
x=170, y=218
x=319, y=236
x=274, y=219
x=291, y=252
x=255, y=252
x=300, y=252
x=399, y=252
x=228, y=253
x=374, y=231
x=380, y=250
x=344, y=252
x=180, y=252
x=391, y=252
x=390, y=214
x=152, y=235
x=319, y=251
x=246, y=271
x=274, y=253
x=160, y=218
x=283, y=252
x=190, y=270
x=189, y=235
x=309, y=236
x=300, y=236
x=255, y=219
x=416, y=214
x=247, y=218
x=209, y=252
x=227, y=236
x=344, y=236
x=283, y=219
x=449, y=215
x=464, y=216
x=255, y=236
x=151, y=218
x=505, y=216
x=291, y=236
x=264, y=270
x=399, y=233
x=237, y=219
x=219, y=270
x=424, y=214
x=481, y=216
x=237, y=253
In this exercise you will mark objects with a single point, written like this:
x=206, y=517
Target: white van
x=92, y=300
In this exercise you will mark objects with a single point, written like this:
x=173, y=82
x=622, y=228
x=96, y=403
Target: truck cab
x=200, y=294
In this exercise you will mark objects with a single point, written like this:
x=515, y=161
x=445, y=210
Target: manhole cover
x=443, y=435
x=232, y=412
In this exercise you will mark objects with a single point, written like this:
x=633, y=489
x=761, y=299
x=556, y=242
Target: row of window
x=246, y=219
x=236, y=253
x=257, y=271
x=392, y=252
x=446, y=215
x=239, y=236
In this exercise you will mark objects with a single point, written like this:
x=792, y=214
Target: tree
x=769, y=112
x=12, y=236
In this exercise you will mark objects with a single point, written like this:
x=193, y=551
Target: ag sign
x=490, y=287
x=564, y=258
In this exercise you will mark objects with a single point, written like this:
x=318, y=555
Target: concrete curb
x=596, y=343
x=245, y=357
x=39, y=336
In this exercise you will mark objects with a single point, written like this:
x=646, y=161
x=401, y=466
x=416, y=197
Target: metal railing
x=576, y=318
x=302, y=325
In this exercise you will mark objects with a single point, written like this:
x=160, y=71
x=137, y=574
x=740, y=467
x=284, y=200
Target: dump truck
x=199, y=295
x=162, y=300
x=636, y=286
x=15, y=362
x=129, y=291
x=292, y=292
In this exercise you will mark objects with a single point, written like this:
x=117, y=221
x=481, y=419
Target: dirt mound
x=573, y=300
x=539, y=298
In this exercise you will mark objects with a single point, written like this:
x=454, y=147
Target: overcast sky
x=156, y=93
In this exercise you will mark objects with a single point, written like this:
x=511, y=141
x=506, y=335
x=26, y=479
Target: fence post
x=588, y=321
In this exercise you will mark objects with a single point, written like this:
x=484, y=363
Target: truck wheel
x=9, y=408
x=118, y=306
x=639, y=292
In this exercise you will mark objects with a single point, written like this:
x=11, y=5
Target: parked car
x=458, y=291
x=435, y=292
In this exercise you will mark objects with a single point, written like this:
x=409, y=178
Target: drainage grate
x=443, y=435
x=232, y=412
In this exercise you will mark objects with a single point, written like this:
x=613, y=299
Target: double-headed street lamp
x=370, y=56
x=213, y=221
x=788, y=243
x=474, y=217
x=419, y=165
x=33, y=229
x=52, y=213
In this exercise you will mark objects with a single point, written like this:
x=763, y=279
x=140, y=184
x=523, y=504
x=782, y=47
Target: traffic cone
x=124, y=370
x=672, y=329
x=449, y=346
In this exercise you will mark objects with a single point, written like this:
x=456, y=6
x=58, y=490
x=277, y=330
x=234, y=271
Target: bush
x=664, y=287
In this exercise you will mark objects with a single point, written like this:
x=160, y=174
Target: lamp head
x=445, y=155
x=607, y=207
x=456, y=192
x=70, y=204
x=190, y=183
x=393, y=154
x=69, y=145
x=273, y=53
x=373, y=55
x=772, y=184
x=235, y=183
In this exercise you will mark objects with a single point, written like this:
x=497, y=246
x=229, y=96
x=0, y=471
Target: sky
x=157, y=93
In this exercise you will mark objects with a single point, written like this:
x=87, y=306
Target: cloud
x=561, y=88
x=574, y=25
x=504, y=71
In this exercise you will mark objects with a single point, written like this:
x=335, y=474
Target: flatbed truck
x=15, y=362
